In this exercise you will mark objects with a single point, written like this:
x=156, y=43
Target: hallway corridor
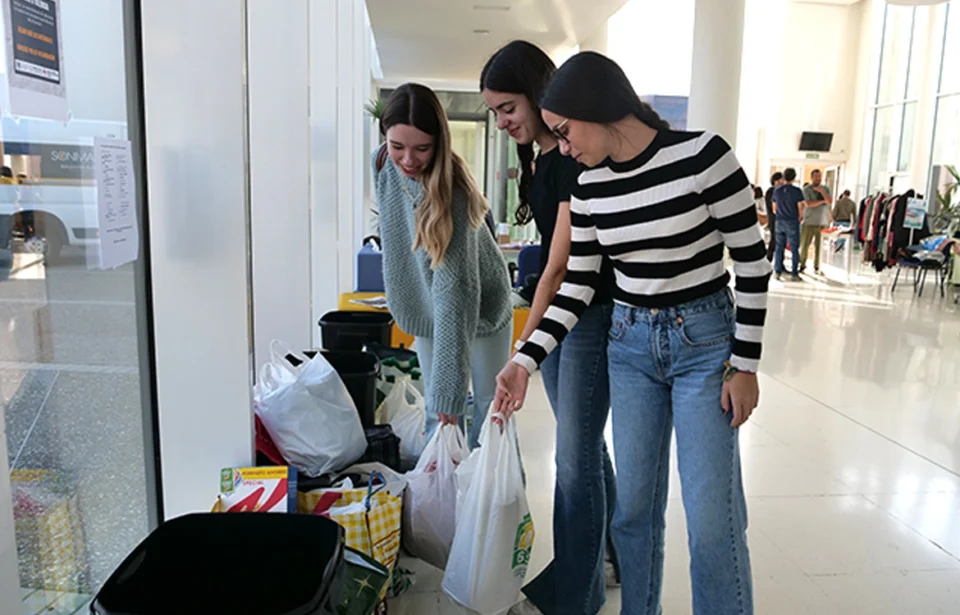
x=851, y=463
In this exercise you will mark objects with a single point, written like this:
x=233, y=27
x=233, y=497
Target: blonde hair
x=418, y=106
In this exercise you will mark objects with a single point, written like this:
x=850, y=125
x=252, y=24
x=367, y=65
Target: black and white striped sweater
x=664, y=219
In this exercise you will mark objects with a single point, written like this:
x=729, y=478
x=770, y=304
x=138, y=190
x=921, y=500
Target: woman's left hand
x=740, y=396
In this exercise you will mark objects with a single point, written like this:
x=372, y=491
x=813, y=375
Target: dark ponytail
x=646, y=114
x=591, y=87
x=524, y=213
x=521, y=68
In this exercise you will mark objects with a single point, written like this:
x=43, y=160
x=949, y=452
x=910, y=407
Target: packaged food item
x=266, y=489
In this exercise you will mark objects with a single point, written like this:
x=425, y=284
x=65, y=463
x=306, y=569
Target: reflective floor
x=851, y=463
x=70, y=403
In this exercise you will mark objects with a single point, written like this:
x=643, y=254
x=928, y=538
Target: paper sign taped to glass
x=116, y=202
x=35, y=66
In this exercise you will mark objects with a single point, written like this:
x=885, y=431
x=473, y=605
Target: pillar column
x=717, y=56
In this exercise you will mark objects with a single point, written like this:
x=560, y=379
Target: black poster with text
x=36, y=46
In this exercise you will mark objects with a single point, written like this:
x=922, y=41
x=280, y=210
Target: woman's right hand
x=512, y=383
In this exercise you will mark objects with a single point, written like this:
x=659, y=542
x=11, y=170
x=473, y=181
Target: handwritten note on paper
x=116, y=202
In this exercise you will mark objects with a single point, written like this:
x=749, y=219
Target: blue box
x=369, y=270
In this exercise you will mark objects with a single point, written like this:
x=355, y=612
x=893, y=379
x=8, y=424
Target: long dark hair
x=521, y=68
x=591, y=87
x=418, y=106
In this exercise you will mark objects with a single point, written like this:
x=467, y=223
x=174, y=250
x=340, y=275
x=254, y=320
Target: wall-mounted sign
x=66, y=161
x=35, y=59
x=813, y=156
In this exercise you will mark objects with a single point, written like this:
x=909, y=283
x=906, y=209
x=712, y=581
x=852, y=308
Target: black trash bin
x=354, y=330
x=238, y=563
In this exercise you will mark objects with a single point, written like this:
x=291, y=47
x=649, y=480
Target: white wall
x=278, y=72
x=818, y=89
x=194, y=92
x=868, y=65
x=657, y=59
x=760, y=81
x=309, y=152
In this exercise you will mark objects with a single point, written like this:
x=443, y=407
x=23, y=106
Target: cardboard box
x=266, y=489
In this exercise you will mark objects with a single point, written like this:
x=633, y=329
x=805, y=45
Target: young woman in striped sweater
x=575, y=374
x=663, y=206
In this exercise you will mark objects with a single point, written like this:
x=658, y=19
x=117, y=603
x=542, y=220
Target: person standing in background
x=446, y=280
x=575, y=375
x=761, y=204
x=788, y=201
x=816, y=217
x=845, y=209
x=775, y=182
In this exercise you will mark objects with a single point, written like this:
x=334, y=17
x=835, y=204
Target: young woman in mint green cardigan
x=446, y=281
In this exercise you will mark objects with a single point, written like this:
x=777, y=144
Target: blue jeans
x=577, y=382
x=666, y=370
x=488, y=357
x=787, y=231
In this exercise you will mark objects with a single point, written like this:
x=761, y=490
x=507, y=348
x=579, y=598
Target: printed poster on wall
x=916, y=211
x=116, y=202
x=35, y=59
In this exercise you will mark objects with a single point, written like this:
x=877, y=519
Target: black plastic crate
x=354, y=330
x=239, y=563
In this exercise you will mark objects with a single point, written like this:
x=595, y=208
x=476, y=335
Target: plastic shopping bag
x=308, y=413
x=405, y=411
x=494, y=538
x=430, y=503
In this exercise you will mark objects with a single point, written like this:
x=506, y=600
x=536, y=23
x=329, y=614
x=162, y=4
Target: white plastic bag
x=405, y=411
x=491, y=550
x=430, y=503
x=309, y=413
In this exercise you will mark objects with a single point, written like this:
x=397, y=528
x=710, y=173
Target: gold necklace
x=403, y=184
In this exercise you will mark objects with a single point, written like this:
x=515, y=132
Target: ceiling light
x=490, y=7
x=481, y=32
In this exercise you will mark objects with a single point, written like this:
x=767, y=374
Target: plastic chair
x=528, y=263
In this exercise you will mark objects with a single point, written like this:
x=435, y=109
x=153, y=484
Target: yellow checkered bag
x=49, y=531
x=375, y=532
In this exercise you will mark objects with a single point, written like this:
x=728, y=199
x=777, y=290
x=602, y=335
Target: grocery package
x=265, y=489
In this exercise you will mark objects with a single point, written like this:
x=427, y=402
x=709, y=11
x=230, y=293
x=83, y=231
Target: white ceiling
x=435, y=39
x=843, y=2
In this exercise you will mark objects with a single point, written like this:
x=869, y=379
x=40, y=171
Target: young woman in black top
x=575, y=374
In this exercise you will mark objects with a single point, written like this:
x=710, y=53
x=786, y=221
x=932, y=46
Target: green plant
x=948, y=218
x=374, y=108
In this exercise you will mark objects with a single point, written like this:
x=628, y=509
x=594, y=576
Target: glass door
x=75, y=385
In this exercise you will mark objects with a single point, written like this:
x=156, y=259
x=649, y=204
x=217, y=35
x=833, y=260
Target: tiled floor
x=53, y=603
x=851, y=463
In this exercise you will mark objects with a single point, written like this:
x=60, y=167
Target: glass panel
x=946, y=139
x=950, y=80
x=70, y=372
x=466, y=138
x=895, y=59
x=906, y=136
x=885, y=141
x=918, y=54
